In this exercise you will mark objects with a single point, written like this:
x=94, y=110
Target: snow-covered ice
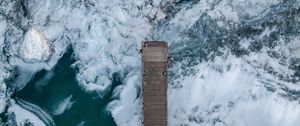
x=63, y=105
x=233, y=62
x=22, y=115
x=35, y=46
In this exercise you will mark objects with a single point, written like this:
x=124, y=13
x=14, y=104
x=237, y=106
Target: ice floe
x=35, y=47
x=22, y=115
x=106, y=37
x=63, y=105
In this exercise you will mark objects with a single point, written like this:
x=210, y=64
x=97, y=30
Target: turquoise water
x=48, y=88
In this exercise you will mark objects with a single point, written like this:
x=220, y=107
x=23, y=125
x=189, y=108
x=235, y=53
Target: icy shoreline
x=37, y=111
x=249, y=45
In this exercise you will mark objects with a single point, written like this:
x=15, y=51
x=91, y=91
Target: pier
x=155, y=63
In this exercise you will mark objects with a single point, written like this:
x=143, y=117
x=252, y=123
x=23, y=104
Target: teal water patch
x=57, y=91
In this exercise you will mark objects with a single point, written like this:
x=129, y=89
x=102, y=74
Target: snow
x=22, y=115
x=35, y=46
x=294, y=47
x=252, y=8
x=3, y=72
x=3, y=25
x=266, y=111
x=2, y=97
x=238, y=85
x=127, y=110
x=106, y=37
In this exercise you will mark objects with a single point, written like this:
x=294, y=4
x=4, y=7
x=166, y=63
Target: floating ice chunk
x=34, y=47
x=82, y=123
x=2, y=97
x=127, y=110
x=63, y=105
x=3, y=25
x=293, y=49
x=2, y=105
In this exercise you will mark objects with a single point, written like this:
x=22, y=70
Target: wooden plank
x=154, y=60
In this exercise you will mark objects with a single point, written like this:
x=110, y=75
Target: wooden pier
x=154, y=60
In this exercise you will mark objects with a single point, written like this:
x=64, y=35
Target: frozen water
x=34, y=47
x=64, y=105
x=232, y=62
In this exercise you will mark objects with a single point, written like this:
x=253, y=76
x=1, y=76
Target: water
x=48, y=89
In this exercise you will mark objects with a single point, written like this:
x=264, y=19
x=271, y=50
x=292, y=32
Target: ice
x=3, y=25
x=44, y=80
x=22, y=115
x=127, y=110
x=106, y=36
x=294, y=47
x=63, y=105
x=81, y=123
x=2, y=97
x=33, y=109
x=252, y=8
x=235, y=96
x=35, y=46
x=3, y=74
x=267, y=111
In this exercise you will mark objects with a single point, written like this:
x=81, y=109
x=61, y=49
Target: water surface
x=58, y=89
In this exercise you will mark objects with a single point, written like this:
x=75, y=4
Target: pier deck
x=154, y=60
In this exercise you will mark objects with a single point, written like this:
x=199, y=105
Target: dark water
x=48, y=88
